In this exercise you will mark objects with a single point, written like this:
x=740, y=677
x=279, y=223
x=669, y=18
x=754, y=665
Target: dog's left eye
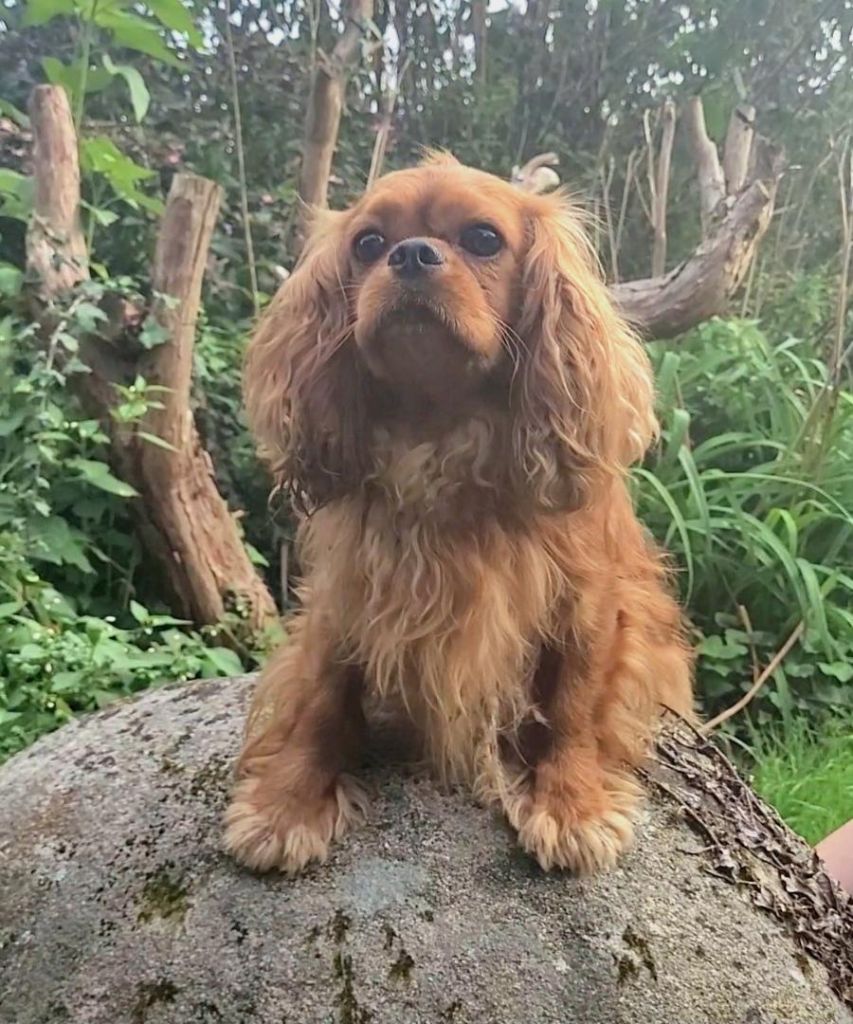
x=481, y=240
x=369, y=246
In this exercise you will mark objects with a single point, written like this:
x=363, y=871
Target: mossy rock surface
x=117, y=905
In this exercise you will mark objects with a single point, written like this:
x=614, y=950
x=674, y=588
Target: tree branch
x=712, y=182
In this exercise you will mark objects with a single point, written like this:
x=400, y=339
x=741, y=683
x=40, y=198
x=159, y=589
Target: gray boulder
x=117, y=905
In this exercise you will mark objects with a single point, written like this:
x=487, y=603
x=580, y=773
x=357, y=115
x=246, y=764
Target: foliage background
x=751, y=488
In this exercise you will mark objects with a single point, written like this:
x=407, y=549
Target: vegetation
x=751, y=488
x=806, y=771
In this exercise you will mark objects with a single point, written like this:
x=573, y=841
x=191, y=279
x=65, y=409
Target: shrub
x=72, y=633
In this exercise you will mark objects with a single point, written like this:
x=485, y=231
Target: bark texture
x=56, y=248
x=118, y=907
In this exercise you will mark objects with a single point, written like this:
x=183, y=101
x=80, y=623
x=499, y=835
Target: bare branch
x=660, y=195
x=712, y=183
x=701, y=286
x=738, y=147
x=537, y=174
x=380, y=144
x=241, y=159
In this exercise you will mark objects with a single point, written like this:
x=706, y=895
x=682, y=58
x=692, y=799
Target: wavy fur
x=471, y=557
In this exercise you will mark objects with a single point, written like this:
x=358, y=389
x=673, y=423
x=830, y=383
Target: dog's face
x=446, y=289
x=434, y=264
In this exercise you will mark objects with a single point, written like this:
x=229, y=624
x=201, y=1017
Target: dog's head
x=445, y=292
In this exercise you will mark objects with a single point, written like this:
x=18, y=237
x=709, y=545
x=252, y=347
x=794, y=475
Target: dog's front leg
x=577, y=810
x=306, y=725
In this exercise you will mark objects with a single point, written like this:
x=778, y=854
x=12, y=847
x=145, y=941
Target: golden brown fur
x=460, y=441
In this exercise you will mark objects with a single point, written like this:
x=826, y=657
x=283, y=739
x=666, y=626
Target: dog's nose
x=414, y=256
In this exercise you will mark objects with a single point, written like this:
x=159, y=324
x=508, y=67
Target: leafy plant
x=760, y=526
x=160, y=30
x=73, y=633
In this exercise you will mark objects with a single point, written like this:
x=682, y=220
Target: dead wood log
x=56, y=248
x=184, y=525
x=736, y=207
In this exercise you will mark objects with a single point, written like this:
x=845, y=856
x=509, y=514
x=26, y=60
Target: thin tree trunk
x=56, y=247
x=661, y=187
x=712, y=182
x=326, y=102
x=738, y=147
x=480, y=33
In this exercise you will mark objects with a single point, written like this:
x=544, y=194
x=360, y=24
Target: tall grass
x=751, y=490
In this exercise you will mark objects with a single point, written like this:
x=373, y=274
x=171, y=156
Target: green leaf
x=677, y=520
x=174, y=15
x=139, y=612
x=817, y=618
x=98, y=475
x=59, y=544
x=685, y=458
x=224, y=660
x=40, y=12
x=255, y=557
x=10, y=280
x=11, y=111
x=677, y=435
x=16, y=194
x=133, y=32
x=57, y=73
x=103, y=217
x=88, y=316
x=63, y=682
x=840, y=670
x=140, y=97
x=153, y=333
x=9, y=424
x=158, y=442
x=10, y=608
x=100, y=155
x=715, y=646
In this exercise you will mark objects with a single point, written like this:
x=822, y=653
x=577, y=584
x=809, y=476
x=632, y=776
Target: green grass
x=806, y=772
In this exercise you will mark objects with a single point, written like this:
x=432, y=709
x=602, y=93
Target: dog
x=446, y=392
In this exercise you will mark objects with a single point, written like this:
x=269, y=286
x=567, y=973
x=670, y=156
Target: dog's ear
x=303, y=384
x=583, y=393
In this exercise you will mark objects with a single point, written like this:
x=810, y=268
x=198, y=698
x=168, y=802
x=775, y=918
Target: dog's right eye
x=369, y=246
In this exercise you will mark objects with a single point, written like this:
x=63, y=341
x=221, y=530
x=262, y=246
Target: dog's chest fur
x=447, y=617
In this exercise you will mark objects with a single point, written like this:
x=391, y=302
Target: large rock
x=116, y=904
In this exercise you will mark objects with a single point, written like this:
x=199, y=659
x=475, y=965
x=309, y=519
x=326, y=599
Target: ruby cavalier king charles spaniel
x=446, y=392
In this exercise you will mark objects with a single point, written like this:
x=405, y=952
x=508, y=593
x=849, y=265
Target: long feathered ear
x=583, y=389
x=303, y=382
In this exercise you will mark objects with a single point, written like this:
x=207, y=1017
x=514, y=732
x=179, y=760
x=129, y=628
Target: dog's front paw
x=582, y=839
x=291, y=831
